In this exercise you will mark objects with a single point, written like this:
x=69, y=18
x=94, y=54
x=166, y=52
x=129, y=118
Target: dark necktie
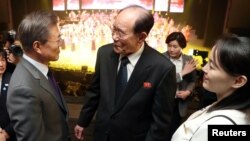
x=54, y=85
x=122, y=77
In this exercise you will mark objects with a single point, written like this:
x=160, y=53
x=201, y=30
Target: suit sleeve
x=91, y=99
x=162, y=108
x=191, y=78
x=26, y=114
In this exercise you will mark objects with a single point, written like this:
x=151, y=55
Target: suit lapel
x=46, y=85
x=44, y=82
x=60, y=100
x=140, y=72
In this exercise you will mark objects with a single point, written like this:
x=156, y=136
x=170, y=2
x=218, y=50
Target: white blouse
x=195, y=128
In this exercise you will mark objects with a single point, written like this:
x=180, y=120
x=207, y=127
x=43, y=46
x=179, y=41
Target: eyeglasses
x=59, y=41
x=118, y=33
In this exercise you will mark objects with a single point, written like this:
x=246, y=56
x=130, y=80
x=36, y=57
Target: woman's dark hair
x=3, y=53
x=233, y=55
x=145, y=20
x=179, y=37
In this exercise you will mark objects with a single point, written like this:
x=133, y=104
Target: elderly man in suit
x=142, y=110
x=34, y=101
x=185, y=75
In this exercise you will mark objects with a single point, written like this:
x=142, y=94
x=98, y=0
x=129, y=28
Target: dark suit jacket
x=4, y=116
x=36, y=113
x=144, y=111
x=187, y=83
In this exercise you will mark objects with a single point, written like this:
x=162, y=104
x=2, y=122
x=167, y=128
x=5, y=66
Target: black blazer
x=4, y=116
x=144, y=111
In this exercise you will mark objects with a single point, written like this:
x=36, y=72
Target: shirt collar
x=133, y=58
x=41, y=67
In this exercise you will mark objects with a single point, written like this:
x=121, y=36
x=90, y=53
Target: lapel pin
x=147, y=85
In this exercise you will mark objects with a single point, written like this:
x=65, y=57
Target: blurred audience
x=13, y=48
x=5, y=124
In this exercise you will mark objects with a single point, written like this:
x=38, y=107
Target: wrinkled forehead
x=125, y=20
x=127, y=14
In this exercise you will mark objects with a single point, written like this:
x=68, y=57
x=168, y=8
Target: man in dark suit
x=35, y=104
x=185, y=75
x=6, y=128
x=143, y=111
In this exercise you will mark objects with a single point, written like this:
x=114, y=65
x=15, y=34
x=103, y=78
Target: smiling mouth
x=117, y=46
x=205, y=78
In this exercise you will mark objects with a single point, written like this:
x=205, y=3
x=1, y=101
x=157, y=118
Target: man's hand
x=79, y=132
x=2, y=136
x=183, y=94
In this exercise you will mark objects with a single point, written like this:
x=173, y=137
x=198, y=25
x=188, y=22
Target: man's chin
x=173, y=56
x=55, y=59
x=118, y=50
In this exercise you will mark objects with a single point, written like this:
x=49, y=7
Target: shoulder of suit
x=107, y=47
x=187, y=56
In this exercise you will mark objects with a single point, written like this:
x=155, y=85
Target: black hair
x=179, y=37
x=232, y=53
x=3, y=53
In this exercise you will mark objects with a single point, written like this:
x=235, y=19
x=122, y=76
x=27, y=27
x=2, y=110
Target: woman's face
x=2, y=64
x=174, y=49
x=215, y=79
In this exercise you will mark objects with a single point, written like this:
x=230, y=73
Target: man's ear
x=142, y=37
x=240, y=81
x=37, y=47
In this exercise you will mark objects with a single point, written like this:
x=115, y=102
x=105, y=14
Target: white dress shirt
x=133, y=59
